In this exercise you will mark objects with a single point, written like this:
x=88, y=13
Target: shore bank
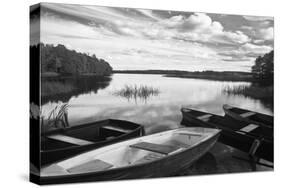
x=210, y=75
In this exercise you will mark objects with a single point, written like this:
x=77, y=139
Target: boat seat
x=148, y=158
x=247, y=129
x=247, y=114
x=69, y=139
x=190, y=134
x=157, y=148
x=55, y=169
x=118, y=129
x=91, y=166
x=205, y=117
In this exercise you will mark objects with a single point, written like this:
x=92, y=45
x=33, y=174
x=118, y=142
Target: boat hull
x=51, y=156
x=165, y=167
x=234, y=139
x=265, y=120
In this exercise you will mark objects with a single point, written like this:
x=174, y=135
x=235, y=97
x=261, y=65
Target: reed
x=56, y=118
x=255, y=92
x=137, y=92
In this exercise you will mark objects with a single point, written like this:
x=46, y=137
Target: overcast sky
x=154, y=39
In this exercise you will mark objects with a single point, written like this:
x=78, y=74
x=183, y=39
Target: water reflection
x=63, y=88
x=160, y=112
x=263, y=93
x=95, y=101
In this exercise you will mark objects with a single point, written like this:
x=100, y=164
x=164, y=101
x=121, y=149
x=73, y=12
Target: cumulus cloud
x=200, y=27
x=258, y=18
x=131, y=38
x=258, y=49
x=265, y=33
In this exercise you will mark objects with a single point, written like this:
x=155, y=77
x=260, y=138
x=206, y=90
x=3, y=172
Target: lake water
x=158, y=112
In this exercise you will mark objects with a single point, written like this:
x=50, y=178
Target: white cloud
x=147, y=40
x=258, y=41
x=266, y=33
x=200, y=27
x=258, y=18
x=257, y=49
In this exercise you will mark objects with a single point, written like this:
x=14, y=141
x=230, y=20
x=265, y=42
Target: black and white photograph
x=121, y=93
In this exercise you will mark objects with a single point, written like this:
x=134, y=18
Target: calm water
x=157, y=113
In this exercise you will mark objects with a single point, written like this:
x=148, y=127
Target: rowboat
x=251, y=138
x=248, y=116
x=63, y=143
x=157, y=155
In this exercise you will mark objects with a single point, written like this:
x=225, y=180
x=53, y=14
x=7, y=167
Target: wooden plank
x=71, y=140
x=55, y=169
x=190, y=134
x=205, y=117
x=91, y=166
x=158, y=148
x=119, y=129
x=247, y=114
x=249, y=128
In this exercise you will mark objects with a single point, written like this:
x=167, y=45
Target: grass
x=50, y=88
x=57, y=118
x=137, y=92
x=255, y=92
x=264, y=94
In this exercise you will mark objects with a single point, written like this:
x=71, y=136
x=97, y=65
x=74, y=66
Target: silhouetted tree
x=263, y=68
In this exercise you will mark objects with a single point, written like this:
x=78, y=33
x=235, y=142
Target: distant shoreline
x=209, y=75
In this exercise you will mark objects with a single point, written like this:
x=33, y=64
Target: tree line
x=61, y=60
x=263, y=68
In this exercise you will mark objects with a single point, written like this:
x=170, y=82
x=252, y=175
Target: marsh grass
x=57, y=118
x=255, y=92
x=137, y=92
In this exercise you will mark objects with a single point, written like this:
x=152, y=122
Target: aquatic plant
x=137, y=92
x=264, y=94
x=255, y=92
x=56, y=118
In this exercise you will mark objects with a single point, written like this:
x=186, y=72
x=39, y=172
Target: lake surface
x=157, y=112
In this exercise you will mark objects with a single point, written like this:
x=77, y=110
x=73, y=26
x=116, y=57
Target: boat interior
x=254, y=116
x=132, y=152
x=89, y=134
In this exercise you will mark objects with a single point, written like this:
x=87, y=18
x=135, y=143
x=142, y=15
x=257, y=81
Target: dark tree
x=263, y=68
x=59, y=59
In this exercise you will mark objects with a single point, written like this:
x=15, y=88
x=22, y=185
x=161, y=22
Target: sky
x=141, y=39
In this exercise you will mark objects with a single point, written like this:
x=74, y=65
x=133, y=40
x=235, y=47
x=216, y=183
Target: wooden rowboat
x=157, y=155
x=251, y=138
x=66, y=142
x=248, y=116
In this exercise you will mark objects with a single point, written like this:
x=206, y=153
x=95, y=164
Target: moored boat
x=157, y=155
x=253, y=139
x=248, y=116
x=63, y=143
